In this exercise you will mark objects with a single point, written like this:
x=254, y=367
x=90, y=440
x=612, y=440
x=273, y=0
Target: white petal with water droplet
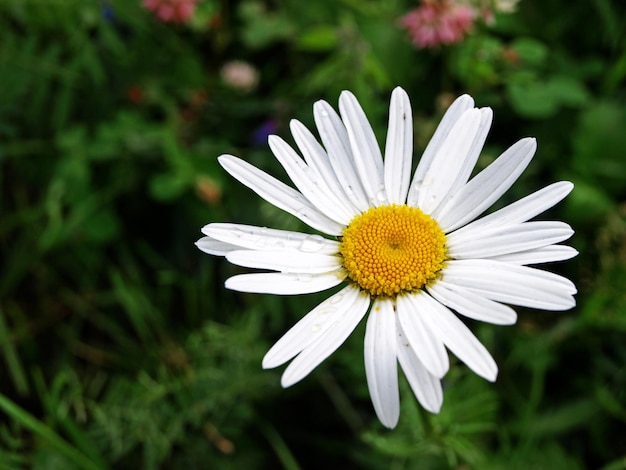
x=312, y=326
x=284, y=283
x=308, y=181
x=279, y=194
x=327, y=343
x=215, y=247
x=289, y=262
x=262, y=238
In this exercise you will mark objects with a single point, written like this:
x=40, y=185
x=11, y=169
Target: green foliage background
x=119, y=346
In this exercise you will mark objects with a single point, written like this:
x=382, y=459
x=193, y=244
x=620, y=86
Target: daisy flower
x=410, y=251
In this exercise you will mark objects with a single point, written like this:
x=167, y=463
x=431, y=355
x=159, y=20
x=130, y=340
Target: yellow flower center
x=390, y=249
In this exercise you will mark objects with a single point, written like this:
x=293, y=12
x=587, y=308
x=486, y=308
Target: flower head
x=411, y=252
x=172, y=11
x=438, y=22
x=240, y=75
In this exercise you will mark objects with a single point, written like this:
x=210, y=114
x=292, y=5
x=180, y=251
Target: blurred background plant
x=118, y=343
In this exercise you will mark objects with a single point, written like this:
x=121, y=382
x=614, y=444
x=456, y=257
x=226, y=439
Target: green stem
x=427, y=424
x=29, y=421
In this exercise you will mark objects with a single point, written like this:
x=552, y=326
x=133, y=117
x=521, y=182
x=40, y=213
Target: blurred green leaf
x=541, y=98
x=533, y=99
x=263, y=27
x=568, y=91
x=168, y=186
x=586, y=203
x=532, y=52
x=320, y=38
x=599, y=142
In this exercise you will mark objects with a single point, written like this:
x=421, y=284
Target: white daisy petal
x=261, y=238
x=365, y=149
x=452, y=115
x=311, y=327
x=284, y=283
x=456, y=336
x=317, y=158
x=425, y=386
x=545, y=254
x=215, y=247
x=486, y=187
x=472, y=305
x=279, y=194
x=509, y=239
x=428, y=347
x=381, y=366
x=399, y=147
x=308, y=181
x=327, y=343
x=521, y=210
x=449, y=162
x=288, y=262
x=486, y=116
x=512, y=284
x=335, y=138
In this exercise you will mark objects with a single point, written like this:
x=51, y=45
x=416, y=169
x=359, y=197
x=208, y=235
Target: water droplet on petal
x=325, y=311
x=335, y=299
x=316, y=328
x=312, y=243
x=261, y=243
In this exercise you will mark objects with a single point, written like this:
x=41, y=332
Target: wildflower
x=240, y=75
x=408, y=251
x=438, y=22
x=173, y=11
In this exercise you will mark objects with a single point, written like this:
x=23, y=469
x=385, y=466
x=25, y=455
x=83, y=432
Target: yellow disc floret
x=391, y=249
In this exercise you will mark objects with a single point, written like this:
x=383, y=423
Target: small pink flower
x=437, y=22
x=240, y=75
x=174, y=11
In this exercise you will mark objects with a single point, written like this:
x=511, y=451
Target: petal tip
x=267, y=363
